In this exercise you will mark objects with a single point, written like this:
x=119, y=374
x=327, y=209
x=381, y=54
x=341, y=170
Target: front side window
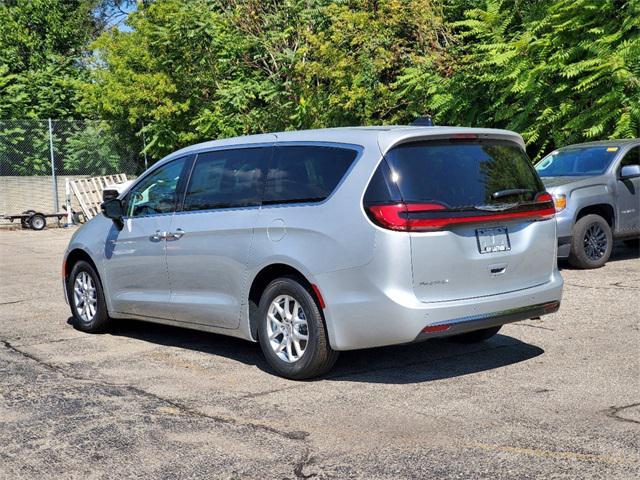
x=306, y=173
x=632, y=157
x=577, y=161
x=157, y=193
x=226, y=179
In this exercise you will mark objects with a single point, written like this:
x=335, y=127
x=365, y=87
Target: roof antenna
x=424, y=121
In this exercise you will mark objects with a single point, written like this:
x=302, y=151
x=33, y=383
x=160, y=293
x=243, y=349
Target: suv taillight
x=425, y=217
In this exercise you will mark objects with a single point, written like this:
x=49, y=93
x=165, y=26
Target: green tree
x=559, y=72
x=41, y=47
x=206, y=69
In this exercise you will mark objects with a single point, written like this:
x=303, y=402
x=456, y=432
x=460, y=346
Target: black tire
x=37, y=221
x=477, y=335
x=318, y=356
x=591, y=243
x=100, y=320
x=24, y=221
x=632, y=243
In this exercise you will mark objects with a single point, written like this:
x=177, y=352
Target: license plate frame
x=493, y=240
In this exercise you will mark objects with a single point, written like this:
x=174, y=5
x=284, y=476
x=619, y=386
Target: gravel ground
x=555, y=398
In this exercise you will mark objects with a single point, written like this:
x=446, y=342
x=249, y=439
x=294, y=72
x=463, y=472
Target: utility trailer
x=32, y=219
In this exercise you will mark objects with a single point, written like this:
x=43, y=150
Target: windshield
x=576, y=162
x=460, y=175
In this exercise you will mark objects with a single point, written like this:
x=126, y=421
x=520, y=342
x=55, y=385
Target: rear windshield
x=576, y=162
x=461, y=175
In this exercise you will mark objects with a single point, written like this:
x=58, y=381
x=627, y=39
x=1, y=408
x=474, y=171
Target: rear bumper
x=360, y=314
x=479, y=322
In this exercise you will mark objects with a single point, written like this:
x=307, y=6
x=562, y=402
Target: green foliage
x=24, y=147
x=207, y=69
x=91, y=148
x=559, y=72
x=41, y=47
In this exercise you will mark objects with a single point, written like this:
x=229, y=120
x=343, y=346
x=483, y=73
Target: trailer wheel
x=37, y=221
x=24, y=221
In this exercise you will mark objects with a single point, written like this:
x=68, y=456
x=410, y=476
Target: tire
x=315, y=356
x=83, y=320
x=591, y=243
x=37, y=221
x=24, y=221
x=633, y=243
x=477, y=335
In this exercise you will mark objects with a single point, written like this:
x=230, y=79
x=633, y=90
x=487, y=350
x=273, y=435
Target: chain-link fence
x=37, y=156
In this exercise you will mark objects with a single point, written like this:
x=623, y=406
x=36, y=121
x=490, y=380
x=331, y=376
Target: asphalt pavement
x=552, y=398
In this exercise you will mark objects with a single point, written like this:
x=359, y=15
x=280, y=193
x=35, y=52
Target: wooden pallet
x=88, y=191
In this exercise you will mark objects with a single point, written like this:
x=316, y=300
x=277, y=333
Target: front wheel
x=292, y=332
x=591, y=243
x=87, y=299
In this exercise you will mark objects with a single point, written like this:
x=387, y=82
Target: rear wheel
x=477, y=335
x=591, y=243
x=38, y=221
x=87, y=299
x=291, y=331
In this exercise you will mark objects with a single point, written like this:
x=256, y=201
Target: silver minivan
x=312, y=242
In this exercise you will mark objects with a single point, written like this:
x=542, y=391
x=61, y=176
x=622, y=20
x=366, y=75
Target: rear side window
x=460, y=175
x=305, y=173
x=226, y=178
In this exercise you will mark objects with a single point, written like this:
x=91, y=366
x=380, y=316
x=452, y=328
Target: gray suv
x=595, y=190
x=313, y=242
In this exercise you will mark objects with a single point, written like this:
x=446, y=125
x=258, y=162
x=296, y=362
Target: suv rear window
x=459, y=175
x=305, y=173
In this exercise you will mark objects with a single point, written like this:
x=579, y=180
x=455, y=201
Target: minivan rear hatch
x=477, y=213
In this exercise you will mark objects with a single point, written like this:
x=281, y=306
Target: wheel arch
x=73, y=257
x=265, y=276
x=604, y=210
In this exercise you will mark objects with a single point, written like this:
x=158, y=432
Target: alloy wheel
x=595, y=242
x=85, y=297
x=287, y=328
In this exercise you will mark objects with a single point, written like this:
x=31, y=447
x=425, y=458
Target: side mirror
x=113, y=209
x=109, y=194
x=630, y=171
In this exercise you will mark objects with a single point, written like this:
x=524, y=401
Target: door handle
x=177, y=235
x=159, y=235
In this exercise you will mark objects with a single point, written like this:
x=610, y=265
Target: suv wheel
x=87, y=299
x=292, y=332
x=591, y=243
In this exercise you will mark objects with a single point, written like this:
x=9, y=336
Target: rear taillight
x=396, y=216
x=424, y=217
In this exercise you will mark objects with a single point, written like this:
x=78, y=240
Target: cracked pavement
x=555, y=398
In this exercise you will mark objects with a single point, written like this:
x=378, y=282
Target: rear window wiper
x=510, y=192
x=499, y=207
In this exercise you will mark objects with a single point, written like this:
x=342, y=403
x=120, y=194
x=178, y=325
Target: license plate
x=491, y=240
